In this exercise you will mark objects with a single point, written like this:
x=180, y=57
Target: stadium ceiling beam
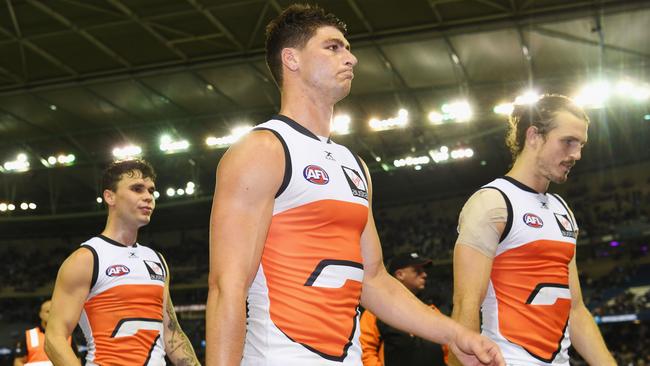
x=11, y=75
x=528, y=58
x=380, y=52
x=494, y=5
x=90, y=38
x=258, y=25
x=151, y=90
x=216, y=23
x=459, y=68
x=46, y=55
x=576, y=39
x=428, y=31
x=21, y=46
x=162, y=40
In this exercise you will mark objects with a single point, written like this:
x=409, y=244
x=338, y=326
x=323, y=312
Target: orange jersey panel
x=521, y=277
x=297, y=255
x=125, y=321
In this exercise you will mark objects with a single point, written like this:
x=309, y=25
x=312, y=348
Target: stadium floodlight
x=11, y=207
x=21, y=164
x=399, y=121
x=51, y=160
x=32, y=206
x=462, y=153
x=504, y=108
x=411, y=161
x=170, y=192
x=24, y=206
x=99, y=200
x=629, y=89
x=53, y=107
x=440, y=155
x=180, y=191
x=168, y=145
x=593, y=95
x=156, y=194
x=224, y=141
x=436, y=118
x=127, y=152
x=528, y=97
x=3, y=207
x=189, y=188
x=341, y=124
x=459, y=111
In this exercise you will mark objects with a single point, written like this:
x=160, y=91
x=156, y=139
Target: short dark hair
x=293, y=28
x=113, y=173
x=540, y=114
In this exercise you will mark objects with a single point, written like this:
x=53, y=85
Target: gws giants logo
x=315, y=174
x=117, y=270
x=533, y=220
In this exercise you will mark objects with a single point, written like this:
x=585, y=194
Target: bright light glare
x=401, y=120
x=593, y=95
x=411, y=161
x=127, y=152
x=341, y=124
x=505, y=109
x=167, y=144
x=529, y=97
x=21, y=164
x=435, y=117
x=236, y=134
x=459, y=111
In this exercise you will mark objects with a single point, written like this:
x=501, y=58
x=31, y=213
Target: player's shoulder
x=485, y=198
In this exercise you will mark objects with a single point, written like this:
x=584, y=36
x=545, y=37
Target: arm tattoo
x=178, y=347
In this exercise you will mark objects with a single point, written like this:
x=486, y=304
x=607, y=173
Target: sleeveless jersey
x=526, y=308
x=303, y=302
x=122, y=316
x=35, y=344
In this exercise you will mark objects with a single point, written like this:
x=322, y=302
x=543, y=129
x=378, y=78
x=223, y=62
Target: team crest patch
x=155, y=270
x=117, y=270
x=357, y=185
x=315, y=174
x=533, y=220
x=566, y=226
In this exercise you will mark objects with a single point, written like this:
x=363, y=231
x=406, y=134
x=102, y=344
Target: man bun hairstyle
x=540, y=114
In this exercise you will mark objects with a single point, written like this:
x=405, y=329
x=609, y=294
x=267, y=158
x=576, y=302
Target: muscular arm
x=248, y=177
x=584, y=333
x=70, y=292
x=481, y=223
x=394, y=304
x=177, y=346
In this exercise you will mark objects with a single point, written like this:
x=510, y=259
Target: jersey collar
x=298, y=127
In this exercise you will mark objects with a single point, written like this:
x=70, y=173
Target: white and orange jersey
x=526, y=308
x=123, y=313
x=303, y=302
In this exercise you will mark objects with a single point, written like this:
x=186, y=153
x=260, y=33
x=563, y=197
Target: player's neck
x=120, y=232
x=525, y=172
x=311, y=111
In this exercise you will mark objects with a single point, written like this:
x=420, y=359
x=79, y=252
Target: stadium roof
x=82, y=77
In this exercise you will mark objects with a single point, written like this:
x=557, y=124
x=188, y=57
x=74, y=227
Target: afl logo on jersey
x=117, y=270
x=315, y=174
x=533, y=220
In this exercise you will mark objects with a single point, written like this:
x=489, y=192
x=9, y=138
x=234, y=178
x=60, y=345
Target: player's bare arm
x=248, y=177
x=394, y=304
x=177, y=346
x=584, y=333
x=70, y=292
